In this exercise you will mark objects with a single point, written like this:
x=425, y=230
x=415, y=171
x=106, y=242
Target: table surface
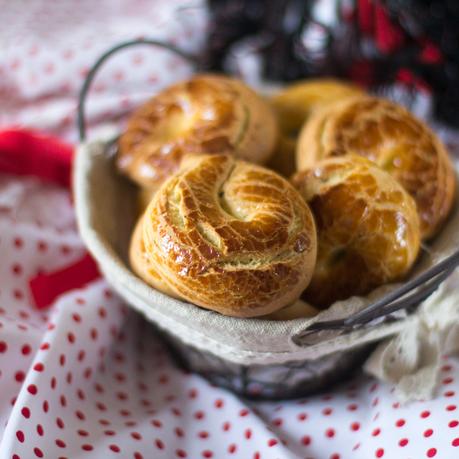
x=88, y=377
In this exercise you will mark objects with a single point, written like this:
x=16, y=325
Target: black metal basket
x=297, y=378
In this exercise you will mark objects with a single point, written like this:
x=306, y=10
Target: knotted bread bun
x=395, y=140
x=367, y=225
x=295, y=103
x=226, y=235
x=293, y=106
x=206, y=114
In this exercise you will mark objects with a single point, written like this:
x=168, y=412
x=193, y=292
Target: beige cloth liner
x=106, y=206
x=412, y=359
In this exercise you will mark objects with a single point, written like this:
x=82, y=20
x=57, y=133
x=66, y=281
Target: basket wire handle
x=81, y=121
x=408, y=294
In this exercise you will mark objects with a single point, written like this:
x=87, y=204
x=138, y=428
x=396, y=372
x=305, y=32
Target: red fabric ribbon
x=45, y=288
x=25, y=152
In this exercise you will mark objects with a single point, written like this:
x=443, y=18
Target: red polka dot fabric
x=49, y=46
x=88, y=378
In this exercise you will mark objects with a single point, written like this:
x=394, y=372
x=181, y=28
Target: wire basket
x=263, y=380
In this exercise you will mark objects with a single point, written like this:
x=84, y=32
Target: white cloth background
x=87, y=378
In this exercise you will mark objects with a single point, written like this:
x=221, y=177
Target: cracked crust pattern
x=227, y=235
x=206, y=114
x=396, y=141
x=367, y=224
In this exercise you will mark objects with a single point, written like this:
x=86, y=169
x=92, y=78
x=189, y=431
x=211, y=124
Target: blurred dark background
x=377, y=43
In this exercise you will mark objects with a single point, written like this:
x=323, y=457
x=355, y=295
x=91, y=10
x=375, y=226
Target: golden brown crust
x=295, y=104
x=367, y=224
x=207, y=114
x=228, y=236
x=139, y=261
x=393, y=138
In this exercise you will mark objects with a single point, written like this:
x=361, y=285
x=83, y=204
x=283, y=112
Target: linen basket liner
x=106, y=210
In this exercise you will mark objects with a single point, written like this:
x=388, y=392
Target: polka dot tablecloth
x=48, y=46
x=87, y=377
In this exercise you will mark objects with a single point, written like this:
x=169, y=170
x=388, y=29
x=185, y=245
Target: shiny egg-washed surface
x=368, y=227
x=227, y=235
x=206, y=114
x=293, y=106
x=393, y=138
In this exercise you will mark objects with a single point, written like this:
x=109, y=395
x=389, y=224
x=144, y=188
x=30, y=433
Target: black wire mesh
x=272, y=381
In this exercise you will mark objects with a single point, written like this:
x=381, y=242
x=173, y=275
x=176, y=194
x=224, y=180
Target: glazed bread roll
x=207, y=114
x=298, y=101
x=294, y=105
x=368, y=228
x=228, y=236
x=393, y=138
x=139, y=261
